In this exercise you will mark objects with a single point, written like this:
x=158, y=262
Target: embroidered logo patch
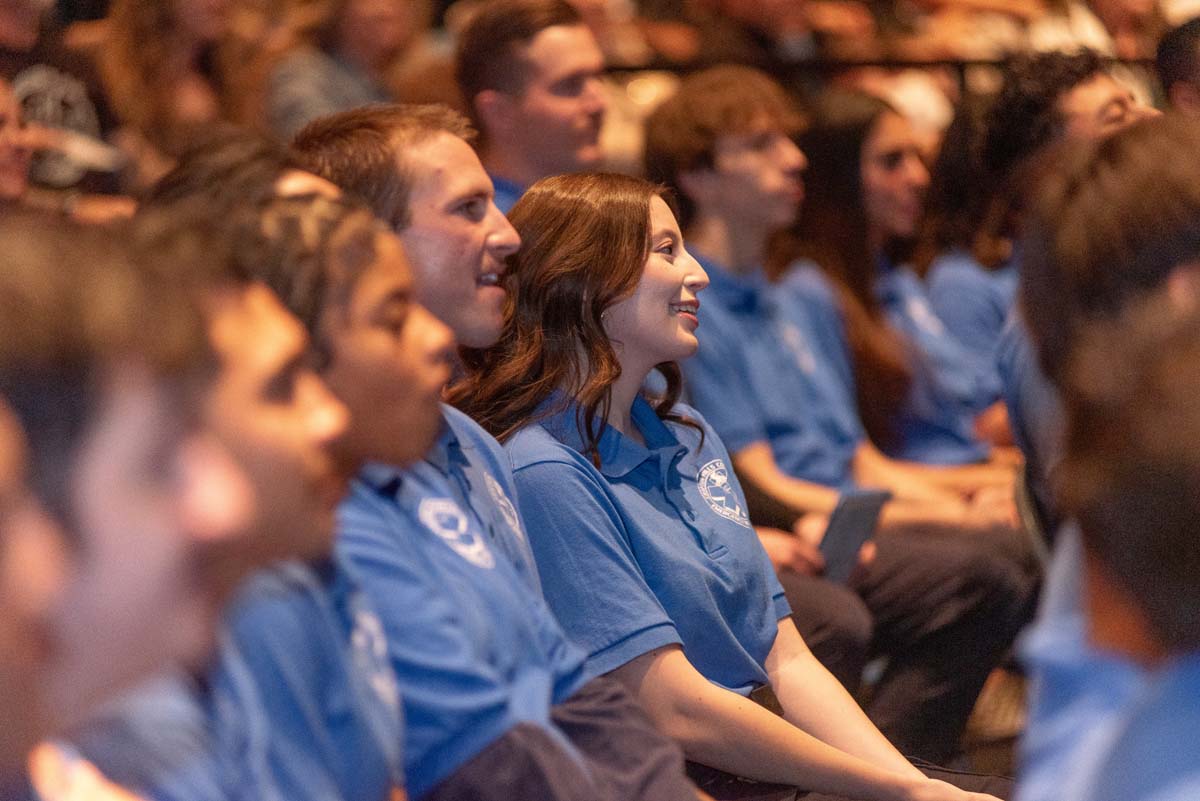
x=506, y=507
x=717, y=492
x=444, y=517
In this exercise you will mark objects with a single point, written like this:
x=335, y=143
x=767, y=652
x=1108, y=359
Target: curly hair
x=1025, y=116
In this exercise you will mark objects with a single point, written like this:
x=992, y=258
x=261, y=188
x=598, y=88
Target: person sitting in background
x=166, y=79
x=346, y=65
x=1177, y=62
x=1045, y=98
x=1111, y=224
x=129, y=527
x=634, y=515
x=918, y=391
x=530, y=74
x=766, y=381
x=1128, y=478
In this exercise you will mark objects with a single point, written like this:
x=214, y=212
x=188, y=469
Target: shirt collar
x=739, y=292
x=619, y=455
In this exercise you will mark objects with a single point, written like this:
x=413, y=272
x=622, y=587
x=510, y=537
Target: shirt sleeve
x=590, y=574
x=960, y=301
x=454, y=704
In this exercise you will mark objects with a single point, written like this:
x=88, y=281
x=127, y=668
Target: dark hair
x=230, y=168
x=1025, y=115
x=72, y=302
x=310, y=250
x=585, y=239
x=1112, y=221
x=1132, y=463
x=832, y=231
x=682, y=133
x=488, y=57
x=1178, y=55
x=363, y=151
x=961, y=210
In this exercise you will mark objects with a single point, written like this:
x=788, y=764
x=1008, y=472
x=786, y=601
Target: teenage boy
x=133, y=522
x=531, y=74
x=944, y=608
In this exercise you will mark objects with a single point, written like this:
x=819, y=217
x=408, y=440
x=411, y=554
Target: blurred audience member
x=58, y=91
x=1111, y=224
x=1178, y=64
x=132, y=530
x=345, y=64
x=530, y=73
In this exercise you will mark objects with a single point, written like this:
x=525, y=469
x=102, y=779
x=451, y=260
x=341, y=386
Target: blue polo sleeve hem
x=782, y=607
x=626, y=650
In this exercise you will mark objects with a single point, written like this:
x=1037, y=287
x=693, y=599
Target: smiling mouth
x=692, y=308
x=489, y=279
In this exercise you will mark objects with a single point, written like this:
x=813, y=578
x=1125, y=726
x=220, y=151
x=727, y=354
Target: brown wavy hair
x=585, y=239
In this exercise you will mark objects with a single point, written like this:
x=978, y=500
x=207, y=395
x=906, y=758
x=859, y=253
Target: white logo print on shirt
x=506, y=508
x=443, y=517
x=716, y=490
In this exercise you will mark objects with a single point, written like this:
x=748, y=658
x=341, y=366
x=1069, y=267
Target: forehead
x=891, y=131
x=444, y=168
x=250, y=329
x=661, y=217
x=560, y=51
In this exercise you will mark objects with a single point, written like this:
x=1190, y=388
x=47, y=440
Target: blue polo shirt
x=1035, y=412
x=1156, y=753
x=936, y=423
x=507, y=193
x=771, y=368
x=1078, y=695
x=973, y=302
x=303, y=698
x=652, y=548
x=474, y=648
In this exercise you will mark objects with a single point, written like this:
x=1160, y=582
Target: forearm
x=726, y=731
x=816, y=702
x=872, y=468
x=758, y=465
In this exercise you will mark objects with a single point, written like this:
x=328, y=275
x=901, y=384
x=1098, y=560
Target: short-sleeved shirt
x=936, y=422
x=972, y=301
x=1035, y=411
x=507, y=193
x=474, y=648
x=769, y=370
x=1155, y=755
x=303, y=698
x=652, y=548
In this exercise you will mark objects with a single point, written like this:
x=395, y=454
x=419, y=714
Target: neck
x=1116, y=621
x=739, y=248
x=506, y=163
x=18, y=27
x=624, y=393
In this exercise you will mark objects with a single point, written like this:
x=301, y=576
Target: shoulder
x=473, y=438
x=807, y=280
x=534, y=445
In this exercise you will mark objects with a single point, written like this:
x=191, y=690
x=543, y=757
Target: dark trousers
x=604, y=749
x=727, y=787
x=943, y=610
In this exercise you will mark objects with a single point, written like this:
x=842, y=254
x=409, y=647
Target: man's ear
x=497, y=111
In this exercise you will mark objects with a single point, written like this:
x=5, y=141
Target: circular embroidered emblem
x=369, y=648
x=506, y=507
x=443, y=517
x=718, y=493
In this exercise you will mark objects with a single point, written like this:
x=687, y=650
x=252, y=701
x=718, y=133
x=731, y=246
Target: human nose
x=438, y=340
x=594, y=97
x=326, y=417
x=696, y=278
x=503, y=240
x=792, y=156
